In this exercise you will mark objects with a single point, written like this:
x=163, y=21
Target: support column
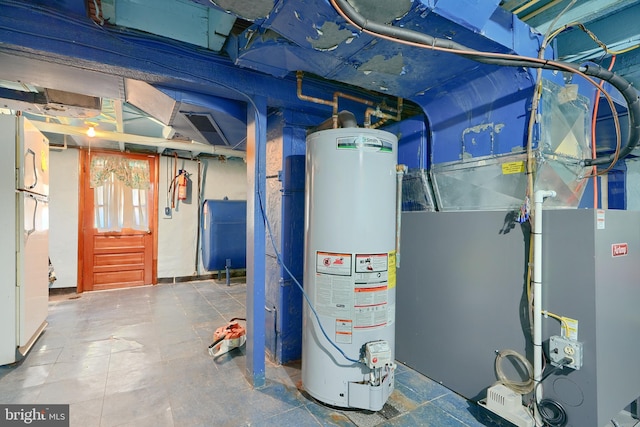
x=256, y=168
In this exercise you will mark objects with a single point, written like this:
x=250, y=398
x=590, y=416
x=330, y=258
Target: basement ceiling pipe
x=415, y=38
x=377, y=111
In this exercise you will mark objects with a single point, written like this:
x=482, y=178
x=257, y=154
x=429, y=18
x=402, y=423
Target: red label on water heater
x=619, y=249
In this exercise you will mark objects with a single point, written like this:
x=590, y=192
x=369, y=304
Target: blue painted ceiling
x=204, y=60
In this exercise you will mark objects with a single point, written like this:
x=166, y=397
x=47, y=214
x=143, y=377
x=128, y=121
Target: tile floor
x=138, y=357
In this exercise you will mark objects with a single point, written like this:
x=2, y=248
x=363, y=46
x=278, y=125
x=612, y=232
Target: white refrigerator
x=24, y=251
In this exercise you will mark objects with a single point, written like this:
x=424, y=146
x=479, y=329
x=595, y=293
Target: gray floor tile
x=86, y=413
x=299, y=417
x=84, y=350
x=161, y=419
x=135, y=405
x=24, y=376
x=459, y=408
x=11, y=394
x=138, y=357
x=42, y=356
x=74, y=389
x=134, y=377
x=88, y=367
x=427, y=415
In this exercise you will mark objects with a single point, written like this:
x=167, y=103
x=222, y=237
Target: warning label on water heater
x=357, y=301
x=334, y=285
x=333, y=263
x=344, y=331
x=371, y=290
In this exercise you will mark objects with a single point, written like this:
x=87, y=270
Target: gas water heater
x=350, y=267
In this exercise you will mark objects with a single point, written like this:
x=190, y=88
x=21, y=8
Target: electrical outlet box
x=563, y=349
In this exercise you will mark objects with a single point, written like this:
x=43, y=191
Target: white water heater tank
x=349, y=268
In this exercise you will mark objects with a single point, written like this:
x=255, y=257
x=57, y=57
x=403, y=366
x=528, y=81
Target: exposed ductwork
x=160, y=144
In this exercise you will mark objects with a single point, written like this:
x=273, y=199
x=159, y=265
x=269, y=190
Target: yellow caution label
x=512, y=167
x=392, y=270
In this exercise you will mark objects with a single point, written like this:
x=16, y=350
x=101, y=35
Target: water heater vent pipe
x=538, y=199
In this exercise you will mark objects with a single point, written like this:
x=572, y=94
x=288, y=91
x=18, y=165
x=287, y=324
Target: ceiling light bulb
x=91, y=132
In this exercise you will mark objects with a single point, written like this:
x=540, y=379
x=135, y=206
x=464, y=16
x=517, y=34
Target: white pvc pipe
x=604, y=191
x=400, y=171
x=539, y=197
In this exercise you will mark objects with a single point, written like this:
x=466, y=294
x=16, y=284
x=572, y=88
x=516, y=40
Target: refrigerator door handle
x=35, y=170
x=33, y=220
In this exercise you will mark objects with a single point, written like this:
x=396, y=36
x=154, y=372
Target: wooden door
x=110, y=260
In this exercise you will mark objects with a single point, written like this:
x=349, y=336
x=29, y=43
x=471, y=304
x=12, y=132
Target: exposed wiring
x=444, y=45
x=593, y=37
x=524, y=212
x=304, y=294
x=552, y=413
x=596, y=104
x=417, y=39
x=422, y=41
x=562, y=320
x=587, y=54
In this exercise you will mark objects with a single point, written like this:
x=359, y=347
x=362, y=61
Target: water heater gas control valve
x=377, y=354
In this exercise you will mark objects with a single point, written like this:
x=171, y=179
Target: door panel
x=122, y=259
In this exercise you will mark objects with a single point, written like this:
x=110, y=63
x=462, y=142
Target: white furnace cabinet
x=24, y=251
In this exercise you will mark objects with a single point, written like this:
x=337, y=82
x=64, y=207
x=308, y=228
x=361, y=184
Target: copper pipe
x=377, y=111
x=317, y=100
x=384, y=116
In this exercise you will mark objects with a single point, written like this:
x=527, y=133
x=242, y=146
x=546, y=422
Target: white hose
x=520, y=387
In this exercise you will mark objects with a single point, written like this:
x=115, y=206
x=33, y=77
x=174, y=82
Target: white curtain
x=120, y=188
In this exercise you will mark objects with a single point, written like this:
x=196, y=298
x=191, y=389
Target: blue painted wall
x=285, y=206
